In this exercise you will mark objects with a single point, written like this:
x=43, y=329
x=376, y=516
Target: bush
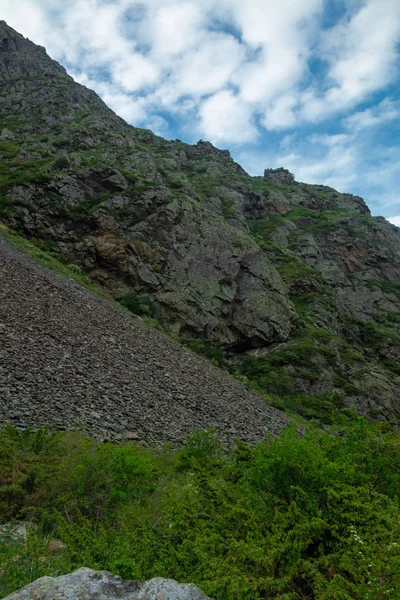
x=139, y=304
x=203, y=450
x=297, y=517
x=60, y=163
x=62, y=143
x=215, y=355
x=6, y=207
x=9, y=149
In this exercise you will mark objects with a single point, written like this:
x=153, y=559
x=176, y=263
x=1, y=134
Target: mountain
x=293, y=287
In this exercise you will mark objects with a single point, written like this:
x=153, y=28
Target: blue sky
x=311, y=85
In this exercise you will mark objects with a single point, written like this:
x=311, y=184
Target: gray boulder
x=86, y=584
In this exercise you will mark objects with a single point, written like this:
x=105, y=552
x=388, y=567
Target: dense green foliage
x=139, y=304
x=314, y=515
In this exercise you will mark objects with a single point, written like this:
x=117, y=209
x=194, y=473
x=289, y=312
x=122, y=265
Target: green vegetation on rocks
x=301, y=516
x=41, y=253
x=9, y=149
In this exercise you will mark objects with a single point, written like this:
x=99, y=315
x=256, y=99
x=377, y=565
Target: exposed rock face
x=248, y=264
x=86, y=584
x=279, y=175
x=69, y=359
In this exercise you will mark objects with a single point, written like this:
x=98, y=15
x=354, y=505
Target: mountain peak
x=19, y=57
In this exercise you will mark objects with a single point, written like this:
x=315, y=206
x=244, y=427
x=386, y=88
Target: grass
x=49, y=260
x=15, y=173
x=390, y=287
x=9, y=149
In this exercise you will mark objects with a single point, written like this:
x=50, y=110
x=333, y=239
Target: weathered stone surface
x=86, y=584
x=17, y=531
x=279, y=175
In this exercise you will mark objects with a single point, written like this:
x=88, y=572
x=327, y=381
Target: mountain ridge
x=296, y=284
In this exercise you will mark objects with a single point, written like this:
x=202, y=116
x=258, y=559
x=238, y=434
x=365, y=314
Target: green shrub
x=11, y=500
x=62, y=143
x=132, y=177
x=298, y=517
x=176, y=183
x=215, y=355
x=60, y=163
x=390, y=287
x=6, y=207
x=154, y=323
x=139, y=304
x=9, y=149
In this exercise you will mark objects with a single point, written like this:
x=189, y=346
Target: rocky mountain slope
x=297, y=284
x=69, y=359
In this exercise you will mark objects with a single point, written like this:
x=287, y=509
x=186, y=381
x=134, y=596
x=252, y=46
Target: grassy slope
x=37, y=251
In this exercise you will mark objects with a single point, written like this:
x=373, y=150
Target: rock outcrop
x=279, y=175
x=266, y=266
x=86, y=584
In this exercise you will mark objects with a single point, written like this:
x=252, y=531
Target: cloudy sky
x=312, y=85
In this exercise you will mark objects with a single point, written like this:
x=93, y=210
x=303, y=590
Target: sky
x=310, y=85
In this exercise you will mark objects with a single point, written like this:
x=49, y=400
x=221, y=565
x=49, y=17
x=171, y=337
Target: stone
x=17, y=531
x=55, y=546
x=89, y=364
x=279, y=175
x=86, y=584
x=115, y=182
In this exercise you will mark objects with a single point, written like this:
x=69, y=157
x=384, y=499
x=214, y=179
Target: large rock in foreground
x=86, y=584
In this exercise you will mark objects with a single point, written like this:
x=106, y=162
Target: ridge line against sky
x=311, y=85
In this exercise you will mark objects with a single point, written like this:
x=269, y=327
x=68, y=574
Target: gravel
x=71, y=360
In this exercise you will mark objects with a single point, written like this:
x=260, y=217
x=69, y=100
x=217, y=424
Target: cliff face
x=298, y=283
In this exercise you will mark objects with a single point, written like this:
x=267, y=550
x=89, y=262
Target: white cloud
x=385, y=111
x=281, y=113
x=394, y=220
x=158, y=125
x=361, y=53
x=27, y=18
x=174, y=27
x=332, y=160
x=128, y=107
x=209, y=67
x=135, y=73
x=94, y=27
x=226, y=118
x=282, y=34
x=172, y=49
